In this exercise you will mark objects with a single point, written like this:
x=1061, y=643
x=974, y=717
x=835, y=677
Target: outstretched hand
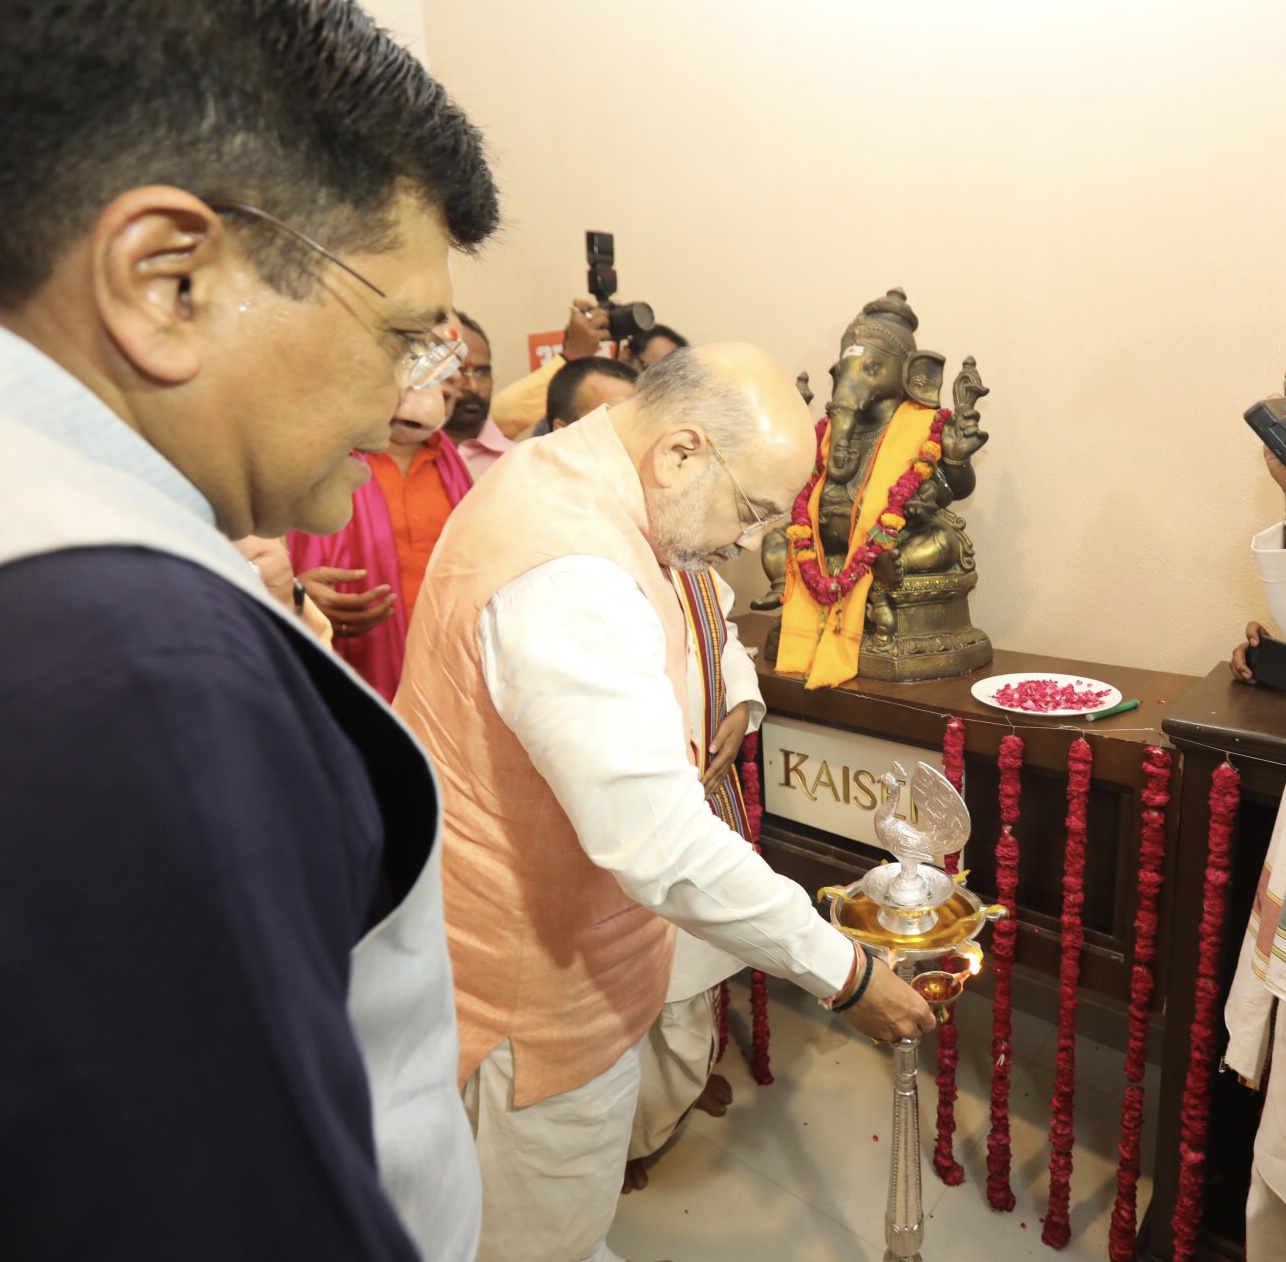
x=890, y=1009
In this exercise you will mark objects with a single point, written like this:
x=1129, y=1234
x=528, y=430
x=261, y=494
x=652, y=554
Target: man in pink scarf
x=366, y=577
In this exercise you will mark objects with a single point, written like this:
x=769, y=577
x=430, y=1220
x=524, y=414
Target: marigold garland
x=1224, y=799
x=829, y=589
x=1080, y=762
x=1123, y=1235
x=1010, y=760
x=948, y=1169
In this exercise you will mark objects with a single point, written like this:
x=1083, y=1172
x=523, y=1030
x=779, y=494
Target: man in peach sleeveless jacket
x=546, y=674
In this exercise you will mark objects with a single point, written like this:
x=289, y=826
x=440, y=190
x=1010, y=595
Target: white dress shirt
x=574, y=659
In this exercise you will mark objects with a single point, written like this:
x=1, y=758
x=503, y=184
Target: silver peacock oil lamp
x=923, y=924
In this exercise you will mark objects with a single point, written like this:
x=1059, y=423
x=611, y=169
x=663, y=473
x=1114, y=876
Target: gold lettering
x=824, y=775
x=797, y=771
x=864, y=784
x=845, y=781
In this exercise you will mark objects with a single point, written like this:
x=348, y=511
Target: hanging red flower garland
x=753, y=797
x=948, y=1169
x=953, y=745
x=1080, y=761
x=721, y=1001
x=1010, y=762
x=1123, y=1235
x=1224, y=799
x=829, y=589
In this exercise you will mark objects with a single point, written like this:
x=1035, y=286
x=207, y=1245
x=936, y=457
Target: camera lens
x=628, y=318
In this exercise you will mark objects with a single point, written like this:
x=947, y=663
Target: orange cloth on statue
x=418, y=508
x=824, y=643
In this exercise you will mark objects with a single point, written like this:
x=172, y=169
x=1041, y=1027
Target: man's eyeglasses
x=429, y=359
x=760, y=522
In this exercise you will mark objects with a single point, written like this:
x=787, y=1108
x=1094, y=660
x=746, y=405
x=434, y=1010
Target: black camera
x=1268, y=419
x=624, y=319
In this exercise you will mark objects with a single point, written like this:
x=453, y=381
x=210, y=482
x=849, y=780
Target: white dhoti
x=675, y=1058
x=677, y=1054
x=551, y=1172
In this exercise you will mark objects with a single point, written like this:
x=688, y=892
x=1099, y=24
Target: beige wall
x=1089, y=198
x=404, y=20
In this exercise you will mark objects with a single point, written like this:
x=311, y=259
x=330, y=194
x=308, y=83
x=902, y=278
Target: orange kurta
x=418, y=508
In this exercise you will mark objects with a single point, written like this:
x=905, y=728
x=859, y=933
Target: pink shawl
x=367, y=543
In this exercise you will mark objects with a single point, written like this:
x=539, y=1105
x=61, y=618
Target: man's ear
x=672, y=455
x=153, y=252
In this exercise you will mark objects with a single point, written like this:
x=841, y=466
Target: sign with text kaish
x=829, y=779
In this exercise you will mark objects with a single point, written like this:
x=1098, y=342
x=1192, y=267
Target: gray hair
x=681, y=390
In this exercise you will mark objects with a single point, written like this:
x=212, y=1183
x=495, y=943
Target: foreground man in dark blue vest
x=224, y=228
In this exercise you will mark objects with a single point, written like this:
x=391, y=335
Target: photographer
x=1260, y=980
x=521, y=405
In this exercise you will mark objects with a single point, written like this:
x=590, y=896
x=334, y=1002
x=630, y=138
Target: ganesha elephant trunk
x=844, y=456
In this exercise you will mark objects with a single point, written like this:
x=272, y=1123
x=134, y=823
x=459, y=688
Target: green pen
x=1116, y=709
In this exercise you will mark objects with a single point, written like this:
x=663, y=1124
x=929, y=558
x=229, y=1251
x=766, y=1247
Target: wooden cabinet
x=916, y=714
x=1218, y=716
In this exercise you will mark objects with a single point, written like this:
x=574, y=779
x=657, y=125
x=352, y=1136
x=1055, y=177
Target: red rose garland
x=721, y=1001
x=829, y=589
x=1224, y=798
x=1122, y=1238
x=948, y=1169
x=753, y=797
x=760, y=1034
x=1080, y=761
x=953, y=744
x=1010, y=761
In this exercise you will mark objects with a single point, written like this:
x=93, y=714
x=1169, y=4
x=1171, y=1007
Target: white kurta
x=572, y=652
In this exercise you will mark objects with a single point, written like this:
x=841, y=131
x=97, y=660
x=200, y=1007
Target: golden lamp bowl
x=959, y=921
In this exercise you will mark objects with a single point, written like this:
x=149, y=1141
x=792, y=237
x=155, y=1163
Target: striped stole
x=709, y=635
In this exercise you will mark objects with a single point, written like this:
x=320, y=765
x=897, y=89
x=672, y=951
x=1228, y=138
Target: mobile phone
x=1268, y=419
x=1267, y=662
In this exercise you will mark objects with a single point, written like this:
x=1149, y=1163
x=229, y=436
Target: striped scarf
x=709, y=634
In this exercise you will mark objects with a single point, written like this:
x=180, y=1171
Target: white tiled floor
x=798, y=1171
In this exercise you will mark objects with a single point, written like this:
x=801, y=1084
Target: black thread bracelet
x=861, y=986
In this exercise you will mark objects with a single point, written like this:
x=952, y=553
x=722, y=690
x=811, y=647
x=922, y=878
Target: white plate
x=985, y=691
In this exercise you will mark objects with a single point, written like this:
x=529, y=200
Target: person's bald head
x=697, y=405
